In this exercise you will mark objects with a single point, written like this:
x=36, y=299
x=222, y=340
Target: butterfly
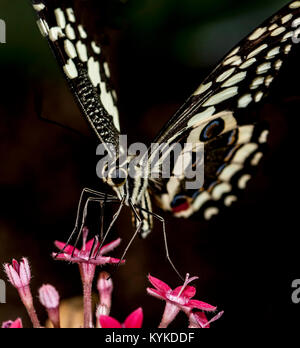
x=215, y=118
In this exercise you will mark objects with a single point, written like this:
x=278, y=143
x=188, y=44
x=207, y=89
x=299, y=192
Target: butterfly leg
x=162, y=220
x=81, y=209
x=111, y=224
x=139, y=226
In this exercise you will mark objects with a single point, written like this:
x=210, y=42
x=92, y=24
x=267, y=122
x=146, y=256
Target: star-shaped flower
x=178, y=299
x=133, y=321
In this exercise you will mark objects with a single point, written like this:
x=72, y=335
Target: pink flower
x=199, y=320
x=177, y=299
x=17, y=324
x=18, y=274
x=88, y=258
x=133, y=321
x=86, y=254
x=49, y=298
x=105, y=289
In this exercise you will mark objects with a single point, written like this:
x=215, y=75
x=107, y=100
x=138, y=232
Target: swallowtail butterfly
x=216, y=115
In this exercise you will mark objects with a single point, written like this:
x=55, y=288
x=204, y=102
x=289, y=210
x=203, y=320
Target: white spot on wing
x=273, y=26
x=257, y=82
x=39, y=7
x=235, y=51
x=257, y=51
x=202, y=115
x=70, y=49
x=272, y=53
x=229, y=200
x=235, y=60
x=94, y=71
x=210, y=212
x=70, y=70
x=245, y=134
x=244, y=101
x=248, y=63
x=220, y=189
x=60, y=18
x=229, y=171
x=55, y=33
x=70, y=32
x=286, y=18
x=278, y=64
x=70, y=14
x=263, y=137
x=106, y=69
x=269, y=80
x=263, y=68
x=287, y=49
x=295, y=4
x=223, y=95
x=225, y=75
x=258, y=33
x=95, y=48
x=235, y=79
x=243, y=181
x=256, y=159
x=82, y=51
x=287, y=36
x=244, y=152
x=200, y=200
x=278, y=31
x=258, y=96
x=82, y=32
x=203, y=88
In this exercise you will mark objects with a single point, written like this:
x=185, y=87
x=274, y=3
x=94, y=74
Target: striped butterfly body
x=219, y=116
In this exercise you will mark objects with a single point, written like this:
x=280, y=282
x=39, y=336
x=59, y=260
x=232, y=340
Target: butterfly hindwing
x=83, y=63
x=217, y=117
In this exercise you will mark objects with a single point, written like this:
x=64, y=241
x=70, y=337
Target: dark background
x=246, y=258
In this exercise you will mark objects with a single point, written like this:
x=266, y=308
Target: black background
x=246, y=258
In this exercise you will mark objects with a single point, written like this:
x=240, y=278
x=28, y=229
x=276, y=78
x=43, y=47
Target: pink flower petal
x=189, y=291
x=16, y=265
x=158, y=284
x=202, y=320
x=156, y=293
x=14, y=277
x=89, y=245
x=134, y=320
x=201, y=305
x=109, y=322
x=68, y=248
x=17, y=324
x=25, y=274
x=109, y=247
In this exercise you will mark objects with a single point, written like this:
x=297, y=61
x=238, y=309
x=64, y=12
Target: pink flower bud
x=105, y=288
x=49, y=297
x=19, y=275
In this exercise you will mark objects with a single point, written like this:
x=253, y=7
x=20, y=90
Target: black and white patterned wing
x=220, y=116
x=84, y=66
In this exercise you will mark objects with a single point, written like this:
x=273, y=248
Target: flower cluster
x=88, y=258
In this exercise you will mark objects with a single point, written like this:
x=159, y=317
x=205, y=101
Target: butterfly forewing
x=83, y=63
x=217, y=116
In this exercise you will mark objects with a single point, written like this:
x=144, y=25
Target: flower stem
x=26, y=297
x=87, y=304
